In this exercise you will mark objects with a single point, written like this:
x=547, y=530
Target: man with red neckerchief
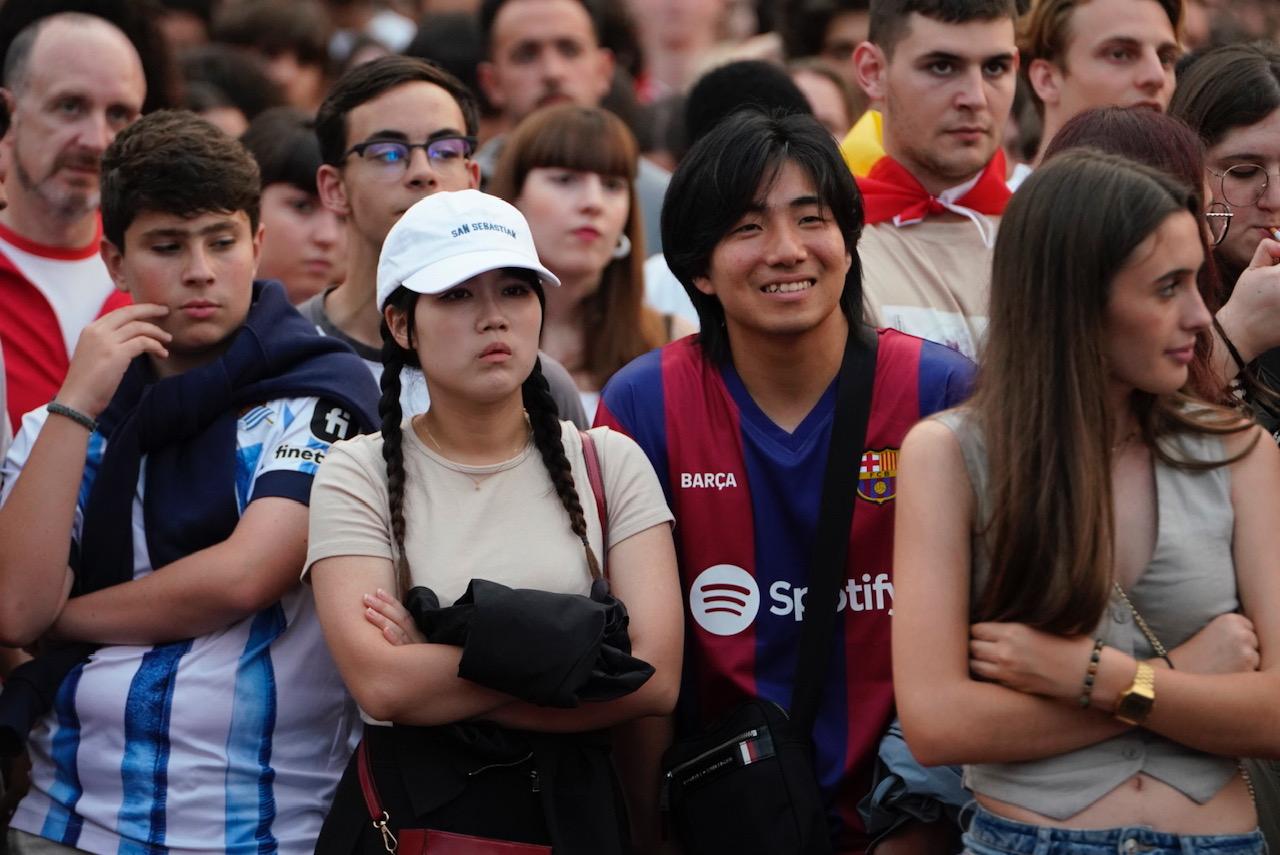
x=75, y=81
x=945, y=73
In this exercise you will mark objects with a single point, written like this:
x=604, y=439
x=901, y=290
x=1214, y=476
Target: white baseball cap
x=448, y=237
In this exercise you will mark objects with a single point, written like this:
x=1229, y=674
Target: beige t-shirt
x=931, y=279
x=502, y=522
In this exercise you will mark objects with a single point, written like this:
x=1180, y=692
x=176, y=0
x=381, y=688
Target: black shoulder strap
x=835, y=516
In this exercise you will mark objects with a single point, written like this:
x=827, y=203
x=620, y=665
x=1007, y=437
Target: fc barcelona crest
x=878, y=475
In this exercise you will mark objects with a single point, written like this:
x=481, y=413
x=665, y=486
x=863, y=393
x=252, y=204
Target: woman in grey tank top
x=1066, y=615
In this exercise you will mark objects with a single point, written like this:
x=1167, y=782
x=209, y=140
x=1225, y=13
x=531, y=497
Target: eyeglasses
x=1218, y=217
x=391, y=157
x=1243, y=184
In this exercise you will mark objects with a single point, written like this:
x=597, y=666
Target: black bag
x=748, y=785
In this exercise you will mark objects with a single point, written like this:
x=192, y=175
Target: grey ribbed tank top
x=1189, y=581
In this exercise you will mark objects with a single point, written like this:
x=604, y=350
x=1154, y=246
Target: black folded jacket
x=554, y=650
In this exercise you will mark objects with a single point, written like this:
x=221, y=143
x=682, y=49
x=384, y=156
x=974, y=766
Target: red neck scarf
x=892, y=194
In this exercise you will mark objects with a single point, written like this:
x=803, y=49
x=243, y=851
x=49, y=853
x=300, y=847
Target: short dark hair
x=729, y=88
x=366, y=82
x=202, y=9
x=274, y=27
x=451, y=40
x=720, y=179
x=1230, y=87
x=489, y=10
x=175, y=162
x=804, y=23
x=889, y=17
x=240, y=78
x=283, y=142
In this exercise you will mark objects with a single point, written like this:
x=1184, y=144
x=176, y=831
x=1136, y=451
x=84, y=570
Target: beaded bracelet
x=1091, y=674
x=75, y=415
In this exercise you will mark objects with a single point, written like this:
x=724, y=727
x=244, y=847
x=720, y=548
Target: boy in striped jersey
x=194, y=705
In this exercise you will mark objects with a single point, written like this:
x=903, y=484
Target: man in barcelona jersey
x=760, y=226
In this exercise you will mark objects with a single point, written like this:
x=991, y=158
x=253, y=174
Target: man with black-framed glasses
x=392, y=131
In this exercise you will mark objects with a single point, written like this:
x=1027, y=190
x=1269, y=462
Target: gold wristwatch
x=1135, y=702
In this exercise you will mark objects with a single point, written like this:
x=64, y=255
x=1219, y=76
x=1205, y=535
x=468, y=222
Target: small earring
x=623, y=249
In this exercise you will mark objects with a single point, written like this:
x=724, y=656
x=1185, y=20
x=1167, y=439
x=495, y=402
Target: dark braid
x=394, y=359
x=544, y=418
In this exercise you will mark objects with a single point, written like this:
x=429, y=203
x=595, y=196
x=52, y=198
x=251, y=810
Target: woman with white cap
x=487, y=485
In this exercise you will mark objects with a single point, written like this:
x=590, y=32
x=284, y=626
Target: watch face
x=1135, y=704
x=1134, y=707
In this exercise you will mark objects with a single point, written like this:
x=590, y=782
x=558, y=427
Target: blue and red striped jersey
x=745, y=494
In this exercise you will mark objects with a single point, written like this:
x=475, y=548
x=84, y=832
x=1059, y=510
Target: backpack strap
x=835, y=521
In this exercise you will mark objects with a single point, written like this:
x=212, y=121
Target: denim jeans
x=989, y=834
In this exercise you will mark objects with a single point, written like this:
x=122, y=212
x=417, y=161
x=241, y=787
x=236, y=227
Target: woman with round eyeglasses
x=1231, y=97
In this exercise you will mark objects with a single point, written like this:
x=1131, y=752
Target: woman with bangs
x=571, y=171
x=304, y=244
x=1071, y=541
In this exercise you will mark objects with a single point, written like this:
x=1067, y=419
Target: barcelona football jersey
x=746, y=494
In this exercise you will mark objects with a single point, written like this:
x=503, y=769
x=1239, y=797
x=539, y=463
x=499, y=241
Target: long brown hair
x=1158, y=140
x=617, y=326
x=1041, y=400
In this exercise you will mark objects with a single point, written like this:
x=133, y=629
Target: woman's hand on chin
x=1028, y=660
x=389, y=615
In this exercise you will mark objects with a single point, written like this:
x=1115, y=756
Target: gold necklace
x=474, y=480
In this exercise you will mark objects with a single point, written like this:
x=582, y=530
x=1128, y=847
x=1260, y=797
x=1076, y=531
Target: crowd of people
x=480, y=426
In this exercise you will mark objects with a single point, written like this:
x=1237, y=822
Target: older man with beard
x=74, y=81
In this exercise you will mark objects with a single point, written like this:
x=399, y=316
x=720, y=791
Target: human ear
x=257, y=246
x=113, y=258
x=1046, y=80
x=871, y=67
x=332, y=190
x=397, y=322
x=703, y=284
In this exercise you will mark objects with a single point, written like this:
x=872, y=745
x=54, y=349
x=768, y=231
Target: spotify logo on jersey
x=724, y=599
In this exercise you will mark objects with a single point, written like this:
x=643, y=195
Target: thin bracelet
x=1167, y=661
x=76, y=416
x=1091, y=674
